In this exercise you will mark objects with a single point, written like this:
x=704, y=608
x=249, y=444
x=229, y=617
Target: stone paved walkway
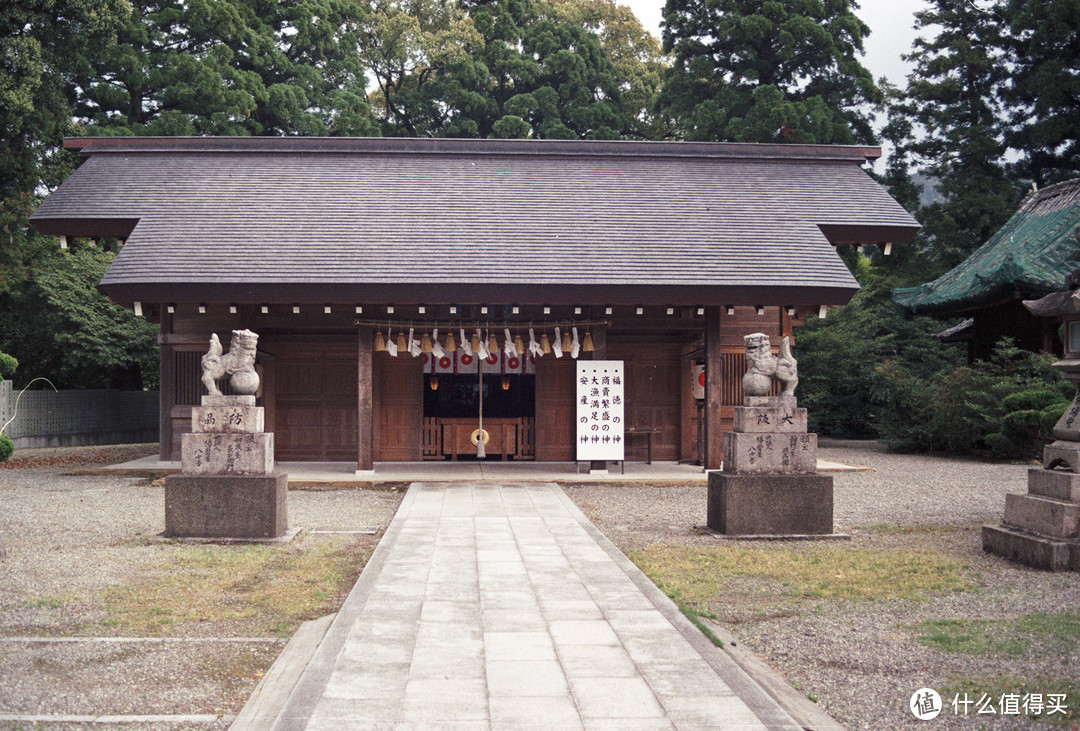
x=501, y=606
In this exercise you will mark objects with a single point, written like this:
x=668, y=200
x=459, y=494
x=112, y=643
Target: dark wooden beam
x=365, y=415
x=714, y=439
x=166, y=388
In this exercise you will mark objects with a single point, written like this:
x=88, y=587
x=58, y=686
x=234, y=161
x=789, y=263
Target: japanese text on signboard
x=600, y=410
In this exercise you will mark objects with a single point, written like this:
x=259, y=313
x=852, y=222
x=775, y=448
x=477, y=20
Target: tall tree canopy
x=634, y=52
x=778, y=70
x=1043, y=87
x=42, y=43
x=509, y=68
x=949, y=123
x=228, y=67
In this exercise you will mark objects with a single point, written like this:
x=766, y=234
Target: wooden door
x=316, y=417
x=399, y=407
x=556, y=392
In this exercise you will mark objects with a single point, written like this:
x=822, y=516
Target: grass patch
x=696, y=576
x=44, y=603
x=1039, y=634
x=993, y=689
x=255, y=590
x=695, y=619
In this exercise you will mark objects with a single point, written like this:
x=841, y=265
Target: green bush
x=1005, y=407
x=8, y=364
x=869, y=371
x=1028, y=422
x=839, y=356
x=7, y=448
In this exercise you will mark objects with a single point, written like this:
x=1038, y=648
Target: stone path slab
x=501, y=606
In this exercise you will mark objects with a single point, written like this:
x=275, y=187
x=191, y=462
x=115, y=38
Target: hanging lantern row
x=565, y=341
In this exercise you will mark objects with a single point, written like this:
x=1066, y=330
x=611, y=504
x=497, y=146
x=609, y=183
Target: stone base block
x=1062, y=453
x=1031, y=550
x=757, y=454
x=227, y=419
x=1055, y=484
x=770, y=419
x=770, y=504
x=226, y=506
x=1042, y=515
x=227, y=454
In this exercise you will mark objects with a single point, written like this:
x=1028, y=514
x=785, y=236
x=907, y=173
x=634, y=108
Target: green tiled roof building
x=1028, y=257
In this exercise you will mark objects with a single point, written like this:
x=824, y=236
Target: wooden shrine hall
x=346, y=256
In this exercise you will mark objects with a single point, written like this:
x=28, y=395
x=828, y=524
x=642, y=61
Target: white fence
x=47, y=418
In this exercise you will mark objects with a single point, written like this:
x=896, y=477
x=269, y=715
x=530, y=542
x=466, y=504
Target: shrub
x=7, y=448
x=839, y=355
x=8, y=364
x=1005, y=407
x=1028, y=422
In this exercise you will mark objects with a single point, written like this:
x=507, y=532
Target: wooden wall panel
x=399, y=384
x=311, y=393
x=316, y=404
x=556, y=393
x=653, y=393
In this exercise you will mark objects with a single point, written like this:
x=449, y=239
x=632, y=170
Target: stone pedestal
x=1042, y=528
x=770, y=504
x=226, y=506
x=227, y=487
x=768, y=485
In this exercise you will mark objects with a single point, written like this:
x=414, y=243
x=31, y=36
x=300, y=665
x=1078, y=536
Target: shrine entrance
x=452, y=409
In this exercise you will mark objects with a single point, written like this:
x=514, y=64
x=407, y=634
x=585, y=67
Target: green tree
x=773, y=71
x=8, y=364
x=635, y=54
x=406, y=44
x=1043, y=87
x=948, y=123
x=230, y=67
x=42, y=44
x=61, y=326
x=862, y=335
x=504, y=70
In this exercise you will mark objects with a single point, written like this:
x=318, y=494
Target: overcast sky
x=890, y=24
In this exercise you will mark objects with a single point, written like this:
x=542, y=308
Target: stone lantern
x=1042, y=528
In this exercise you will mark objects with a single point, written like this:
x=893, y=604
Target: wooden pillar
x=714, y=440
x=166, y=387
x=365, y=410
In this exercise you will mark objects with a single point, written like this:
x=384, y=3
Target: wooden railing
x=509, y=438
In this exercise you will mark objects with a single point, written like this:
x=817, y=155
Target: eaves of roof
x=1027, y=257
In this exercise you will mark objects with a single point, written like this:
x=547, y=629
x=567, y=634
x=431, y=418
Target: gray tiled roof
x=290, y=211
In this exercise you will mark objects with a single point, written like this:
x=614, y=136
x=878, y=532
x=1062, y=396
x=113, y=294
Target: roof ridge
x=1049, y=193
x=463, y=146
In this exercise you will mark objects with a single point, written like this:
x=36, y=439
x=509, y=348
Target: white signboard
x=600, y=421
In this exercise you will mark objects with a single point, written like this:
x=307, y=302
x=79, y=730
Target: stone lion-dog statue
x=762, y=366
x=238, y=364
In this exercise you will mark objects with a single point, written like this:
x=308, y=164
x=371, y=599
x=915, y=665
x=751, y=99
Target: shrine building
x=339, y=252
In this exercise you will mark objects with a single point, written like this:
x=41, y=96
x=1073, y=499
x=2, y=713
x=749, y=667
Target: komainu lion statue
x=762, y=366
x=238, y=364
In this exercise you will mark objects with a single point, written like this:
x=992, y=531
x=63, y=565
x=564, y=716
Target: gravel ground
x=860, y=659
x=68, y=536
x=67, y=540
